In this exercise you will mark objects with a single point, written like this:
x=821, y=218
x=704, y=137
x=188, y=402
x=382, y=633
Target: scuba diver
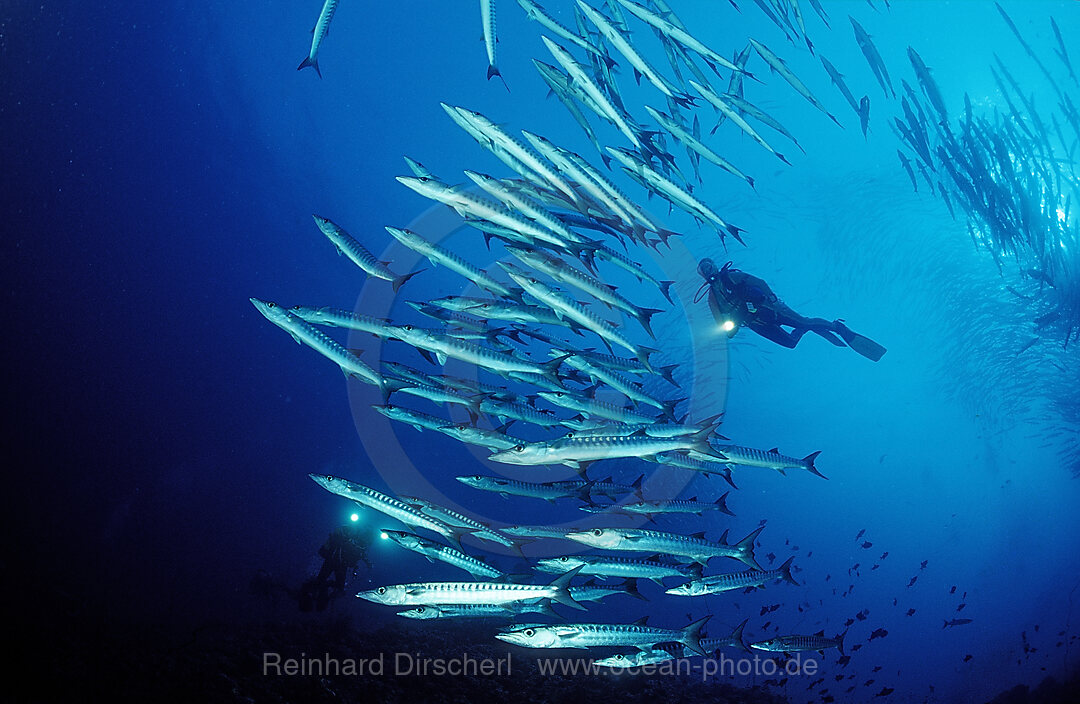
x=738, y=299
x=341, y=552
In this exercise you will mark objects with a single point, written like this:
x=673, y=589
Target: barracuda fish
x=634, y=268
x=443, y=553
x=513, y=312
x=559, y=85
x=653, y=508
x=838, y=81
x=929, y=85
x=538, y=14
x=633, y=57
x=549, y=491
x=437, y=255
x=518, y=150
x=680, y=35
x=608, y=488
x=340, y=318
x=471, y=435
x=695, y=546
x=673, y=192
x=670, y=651
x=564, y=273
x=565, y=307
x=417, y=419
x=307, y=334
x=595, y=185
x=877, y=64
x=348, y=245
x=721, y=104
x=387, y=505
x=318, y=34
x=536, y=532
x=743, y=105
x=796, y=643
x=579, y=452
x=459, y=520
x=491, y=39
x=588, y=635
x=504, y=411
x=502, y=363
x=684, y=461
x=507, y=611
x=625, y=567
x=561, y=235
x=592, y=408
x=591, y=591
x=771, y=459
x=602, y=375
x=694, y=145
x=778, y=65
x=597, y=96
x=736, y=580
x=440, y=395
x=435, y=593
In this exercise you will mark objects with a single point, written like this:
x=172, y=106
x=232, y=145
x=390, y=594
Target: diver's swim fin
x=863, y=345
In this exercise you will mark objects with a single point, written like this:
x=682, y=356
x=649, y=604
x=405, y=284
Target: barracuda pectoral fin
x=426, y=355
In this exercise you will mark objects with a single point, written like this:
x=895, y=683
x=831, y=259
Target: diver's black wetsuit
x=745, y=300
x=344, y=548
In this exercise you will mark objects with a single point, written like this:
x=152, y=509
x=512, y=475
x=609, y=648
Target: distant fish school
x=544, y=331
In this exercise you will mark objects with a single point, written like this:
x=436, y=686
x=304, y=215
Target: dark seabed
x=161, y=165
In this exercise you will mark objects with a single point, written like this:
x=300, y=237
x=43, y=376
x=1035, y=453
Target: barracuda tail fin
x=551, y=368
x=630, y=588
x=785, y=571
x=669, y=407
x=308, y=61
x=400, y=280
x=561, y=585
x=840, y=642
x=642, y=355
x=702, y=446
x=721, y=504
x=736, y=636
x=665, y=288
x=809, y=462
x=745, y=548
x=666, y=373
x=644, y=316
x=691, y=635
x=494, y=71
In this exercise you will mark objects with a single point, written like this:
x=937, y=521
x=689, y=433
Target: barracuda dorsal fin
x=643, y=621
x=700, y=535
x=774, y=451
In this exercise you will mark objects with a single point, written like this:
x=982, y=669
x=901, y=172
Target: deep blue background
x=160, y=165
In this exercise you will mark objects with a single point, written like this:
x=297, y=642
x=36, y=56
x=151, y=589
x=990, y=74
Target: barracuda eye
x=271, y=304
x=296, y=307
x=564, y=558
x=330, y=477
x=598, y=532
x=380, y=590
x=519, y=448
x=619, y=656
x=407, y=328
x=569, y=435
x=477, y=477
x=529, y=633
x=420, y=609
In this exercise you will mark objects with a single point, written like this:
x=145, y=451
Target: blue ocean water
x=162, y=164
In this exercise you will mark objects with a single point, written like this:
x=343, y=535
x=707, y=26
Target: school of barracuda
x=548, y=332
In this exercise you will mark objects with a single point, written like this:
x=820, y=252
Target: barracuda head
x=393, y=595
x=273, y=312
x=530, y=636
x=597, y=537
x=643, y=657
x=682, y=590
x=422, y=613
x=533, y=453
x=337, y=485
x=478, y=481
x=558, y=565
x=403, y=538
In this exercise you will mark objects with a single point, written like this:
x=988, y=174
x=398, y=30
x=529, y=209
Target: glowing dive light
x=384, y=536
x=355, y=517
x=728, y=325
